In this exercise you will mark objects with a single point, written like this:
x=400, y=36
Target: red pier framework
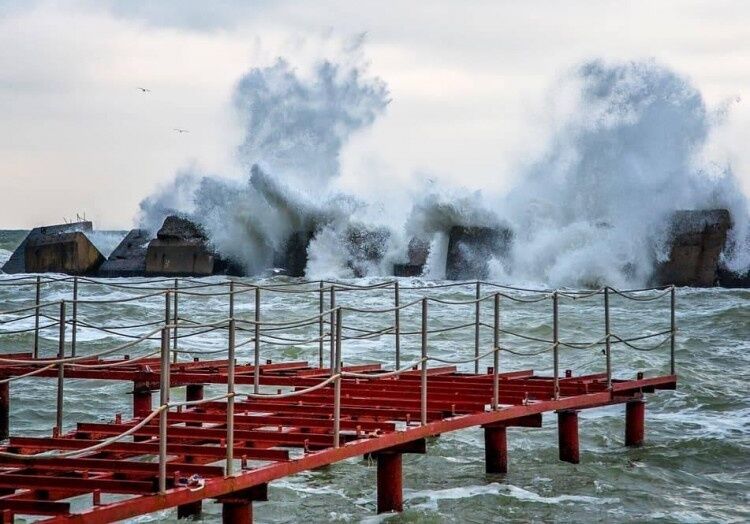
x=298, y=417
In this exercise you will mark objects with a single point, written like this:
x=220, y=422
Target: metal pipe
x=163, y=403
x=476, y=329
x=231, y=299
x=230, y=398
x=333, y=325
x=673, y=327
x=167, y=311
x=321, y=306
x=555, y=345
x=60, y=369
x=423, y=373
x=396, y=304
x=256, y=356
x=175, y=317
x=337, y=383
x=75, y=318
x=608, y=345
x=36, y=316
x=496, y=356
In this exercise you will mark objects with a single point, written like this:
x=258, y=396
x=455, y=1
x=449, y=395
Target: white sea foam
x=630, y=145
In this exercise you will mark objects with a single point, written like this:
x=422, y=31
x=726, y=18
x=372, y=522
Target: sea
x=693, y=468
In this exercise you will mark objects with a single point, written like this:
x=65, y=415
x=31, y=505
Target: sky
x=470, y=85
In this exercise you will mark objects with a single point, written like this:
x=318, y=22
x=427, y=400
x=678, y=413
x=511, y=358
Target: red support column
x=496, y=449
x=4, y=410
x=141, y=400
x=237, y=512
x=567, y=430
x=192, y=509
x=193, y=392
x=635, y=411
x=390, y=483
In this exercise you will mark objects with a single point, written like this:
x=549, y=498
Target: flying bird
x=143, y=90
x=178, y=130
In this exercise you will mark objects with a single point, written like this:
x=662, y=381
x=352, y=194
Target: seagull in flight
x=178, y=130
x=143, y=90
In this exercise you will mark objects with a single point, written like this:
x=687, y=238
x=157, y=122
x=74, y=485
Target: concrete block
x=697, y=240
x=129, y=257
x=470, y=248
x=71, y=253
x=17, y=261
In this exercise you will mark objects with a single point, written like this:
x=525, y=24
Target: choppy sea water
x=695, y=466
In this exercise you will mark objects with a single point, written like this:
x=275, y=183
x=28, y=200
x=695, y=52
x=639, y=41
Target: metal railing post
x=336, y=370
x=496, y=355
x=167, y=311
x=231, y=299
x=673, y=327
x=397, y=311
x=423, y=372
x=256, y=336
x=36, y=316
x=164, y=406
x=333, y=325
x=74, y=327
x=230, y=398
x=60, y=370
x=476, y=328
x=175, y=317
x=321, y=331
x=608, y=342
x=555, y=345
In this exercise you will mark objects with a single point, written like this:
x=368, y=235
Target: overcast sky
x=469, y=83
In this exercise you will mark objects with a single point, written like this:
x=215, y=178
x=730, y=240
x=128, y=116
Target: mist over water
x=627, y=149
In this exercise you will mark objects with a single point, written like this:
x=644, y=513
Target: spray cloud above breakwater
x=627, y=151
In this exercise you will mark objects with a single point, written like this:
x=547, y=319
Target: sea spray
x=628, y=149
x=595, y=207
x=295, y=128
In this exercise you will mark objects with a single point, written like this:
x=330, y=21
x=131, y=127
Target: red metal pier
x=295, y=416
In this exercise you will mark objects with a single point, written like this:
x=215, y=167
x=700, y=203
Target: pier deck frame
x=370, y=412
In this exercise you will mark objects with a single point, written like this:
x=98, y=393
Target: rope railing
x=267, y=330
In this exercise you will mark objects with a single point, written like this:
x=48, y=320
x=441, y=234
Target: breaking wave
x=628, y=148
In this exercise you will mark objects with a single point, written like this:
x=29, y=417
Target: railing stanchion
x=231, y=299
x=36, y=315
x=175, y=317
x=673, y=327
x=60, y=370
x=423, y=373
x=74, y=327
x=607, y=340
x=476, y=328
x=230, y=398
x=397, y=311
x=167, y=312
x=555, y=345
x=256, y=336
x=336, y=370
x=333, y=325
x=321, y=341
x=164, y=407
x=496, y=355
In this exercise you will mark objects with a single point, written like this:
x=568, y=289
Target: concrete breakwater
x=696, y=240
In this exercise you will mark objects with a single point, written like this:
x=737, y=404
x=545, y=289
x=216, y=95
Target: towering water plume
x=594, y=208
x=295, y=128
x=626, y=153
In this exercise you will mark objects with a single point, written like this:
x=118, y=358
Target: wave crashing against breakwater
x=593, y=208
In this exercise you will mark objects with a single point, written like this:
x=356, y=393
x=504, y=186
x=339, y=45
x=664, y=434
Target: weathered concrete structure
x=470, y=248
x=71, y=253
x=17, y=262
x=129, y=257
x=366, y=247
x=697, y=240
x=180, y=248
x=292, y=259
x=417, y=254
